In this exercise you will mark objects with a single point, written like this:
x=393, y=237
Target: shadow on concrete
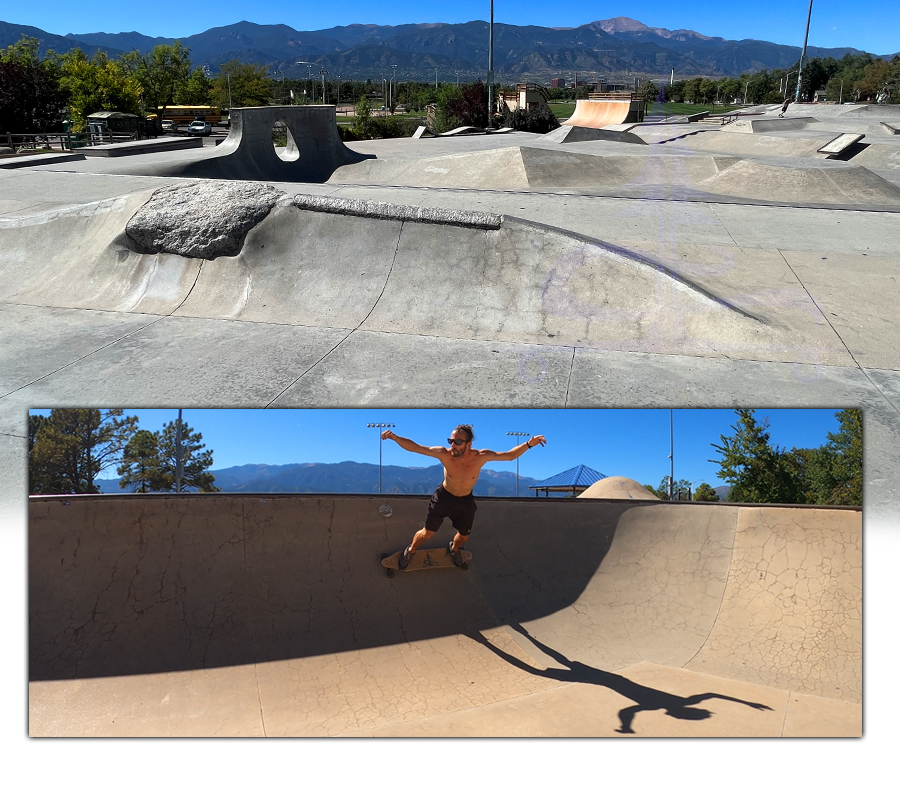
x=151, y=584
x=645, y=698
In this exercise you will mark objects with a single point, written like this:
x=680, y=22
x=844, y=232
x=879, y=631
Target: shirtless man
x=453, y=499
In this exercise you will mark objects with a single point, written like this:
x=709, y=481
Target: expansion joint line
x=569, y=378
x=350, y=333
x=837, y=334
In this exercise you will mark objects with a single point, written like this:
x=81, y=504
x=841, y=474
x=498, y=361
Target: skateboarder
x=784, y=107
x=453, y=499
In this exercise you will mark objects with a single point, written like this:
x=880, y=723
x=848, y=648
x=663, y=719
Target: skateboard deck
x=424, y=559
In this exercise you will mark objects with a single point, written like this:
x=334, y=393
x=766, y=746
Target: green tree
x=756, y=471
x=866, y=87
x=844, y=451
x=362, y=121
x=705, y=493
x=444, y=117
x=97, y=84
x=73, y=446
x=250, y=85
x=31, y=96
x=197, y=460
x=195, y=90
x=470, y=105
x=159, y=73
x=140, y=462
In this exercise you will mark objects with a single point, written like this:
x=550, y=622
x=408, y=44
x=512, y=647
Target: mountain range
x=616, y=49
x=346, y=477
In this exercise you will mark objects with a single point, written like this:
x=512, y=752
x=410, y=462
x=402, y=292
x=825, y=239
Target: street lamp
x=380, y=426
x=803, y=53
x=323, y=72
x=517, y=460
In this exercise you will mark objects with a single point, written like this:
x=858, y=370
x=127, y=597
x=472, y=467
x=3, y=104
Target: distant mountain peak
x=620, y=25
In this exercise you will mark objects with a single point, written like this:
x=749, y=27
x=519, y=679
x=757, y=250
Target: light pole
x=323, y=72
x=380, y=426
x=786, y=82
x=435, y=78
x=393, y=85
x=179, y=455
x=517, y=460
x=803, y=53
x=671, y=456
x=490, y=85
x=309, y=65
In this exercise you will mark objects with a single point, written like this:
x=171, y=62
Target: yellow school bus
x=185, y=114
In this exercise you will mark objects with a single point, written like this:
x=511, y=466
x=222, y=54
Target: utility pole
x=803, y=53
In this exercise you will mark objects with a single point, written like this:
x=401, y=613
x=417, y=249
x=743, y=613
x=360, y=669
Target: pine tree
x=197, y=460
x=74, y=445
x=140, y=463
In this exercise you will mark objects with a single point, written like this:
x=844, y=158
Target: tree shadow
x=645, y=698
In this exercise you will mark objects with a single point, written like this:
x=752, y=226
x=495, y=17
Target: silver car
x=199, y=128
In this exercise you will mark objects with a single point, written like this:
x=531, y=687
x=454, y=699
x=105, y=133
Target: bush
x=540, y=119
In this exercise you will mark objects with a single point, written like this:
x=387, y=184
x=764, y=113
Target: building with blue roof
x=572, y=481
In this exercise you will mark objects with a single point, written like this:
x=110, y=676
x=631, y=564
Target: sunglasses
x=457, y=442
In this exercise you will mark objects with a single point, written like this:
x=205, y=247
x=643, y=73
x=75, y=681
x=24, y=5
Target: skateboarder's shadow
x=646, y=698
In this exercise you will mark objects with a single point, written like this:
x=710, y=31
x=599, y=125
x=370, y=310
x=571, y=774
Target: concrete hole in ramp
x=285, y=145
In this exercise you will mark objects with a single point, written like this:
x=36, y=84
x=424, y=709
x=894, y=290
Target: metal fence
x=23, y=143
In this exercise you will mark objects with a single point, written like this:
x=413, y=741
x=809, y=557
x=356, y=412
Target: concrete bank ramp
x=144, y=610
x=351, y=265
x=522, y=167
x=812, y=182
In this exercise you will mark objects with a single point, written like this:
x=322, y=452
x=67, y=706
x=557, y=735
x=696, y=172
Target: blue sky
x=629, y=443
x=872, y=26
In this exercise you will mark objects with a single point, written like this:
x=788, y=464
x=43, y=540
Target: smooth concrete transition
x=262, y=615
x=601, y=113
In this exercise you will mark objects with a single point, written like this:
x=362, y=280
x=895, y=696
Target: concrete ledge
x=837, y=145
x=890, y=128
x=142, y=147
x=397, y=212
x=39, y=159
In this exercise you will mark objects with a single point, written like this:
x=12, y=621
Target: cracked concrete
x=144, y=609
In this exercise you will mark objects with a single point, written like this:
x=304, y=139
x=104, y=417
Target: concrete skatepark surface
x=644, y=619
x=821, y=264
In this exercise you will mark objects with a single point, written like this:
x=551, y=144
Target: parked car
x=199, y=128
x=168, y=125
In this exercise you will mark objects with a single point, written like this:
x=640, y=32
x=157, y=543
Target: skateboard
x=424, y=559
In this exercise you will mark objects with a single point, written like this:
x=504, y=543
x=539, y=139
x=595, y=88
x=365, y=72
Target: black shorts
x=459, y=509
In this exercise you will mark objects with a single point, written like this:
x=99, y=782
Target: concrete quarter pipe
x=577, y=618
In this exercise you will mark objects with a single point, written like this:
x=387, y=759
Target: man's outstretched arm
x=515, y=452
x=411, y=446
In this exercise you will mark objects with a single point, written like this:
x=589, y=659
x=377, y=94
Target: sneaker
x=456, y=555
x=403, y=561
